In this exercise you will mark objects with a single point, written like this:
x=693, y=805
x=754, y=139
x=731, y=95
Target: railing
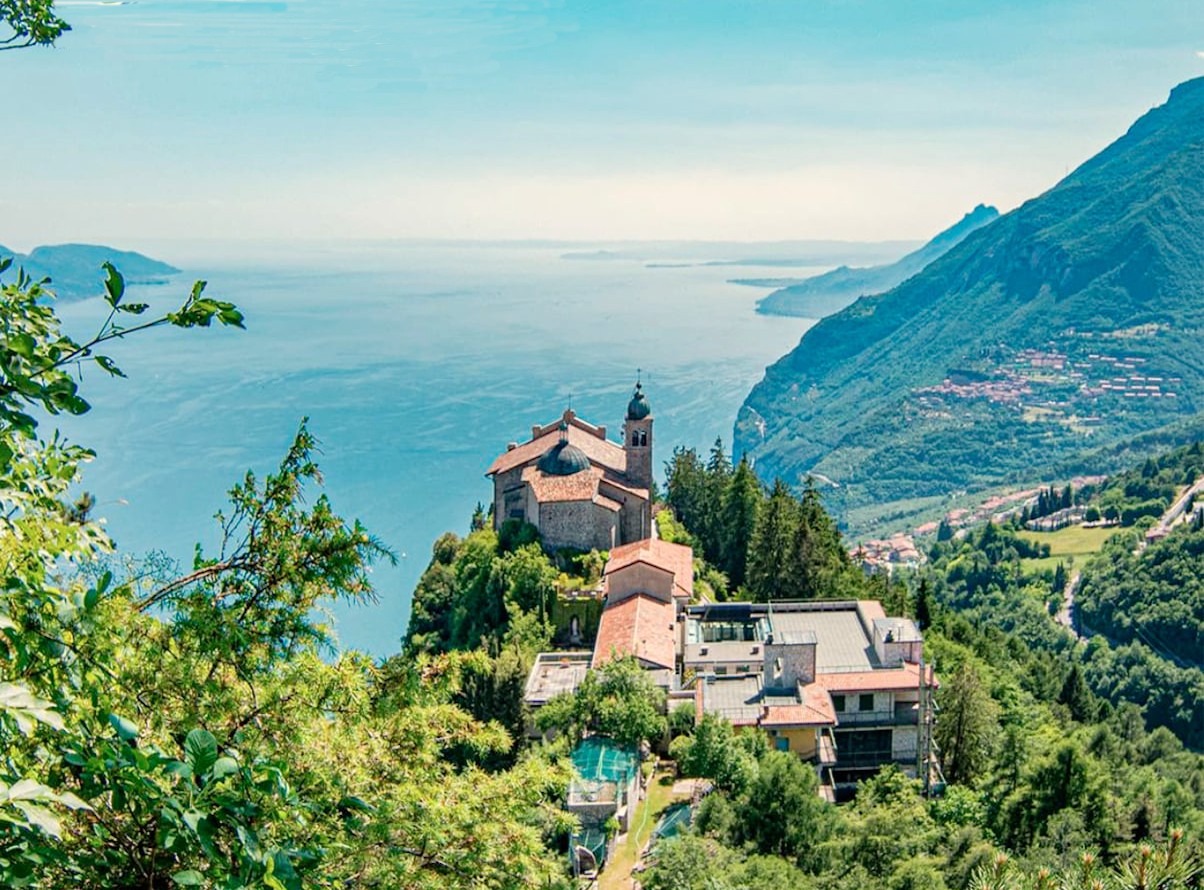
x=825, y=751
x=866, y=759
x=900, y=715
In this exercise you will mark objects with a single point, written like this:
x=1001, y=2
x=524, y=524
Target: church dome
x=563, y=459
x=638, y=408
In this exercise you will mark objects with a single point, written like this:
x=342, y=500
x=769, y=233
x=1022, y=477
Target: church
x=580, y=489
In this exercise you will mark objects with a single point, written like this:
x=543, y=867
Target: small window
x=742, y=669
x=838, y=703
x=721, y=669
x=866, y=702
x=782, y=743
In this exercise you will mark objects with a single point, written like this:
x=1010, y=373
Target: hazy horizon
x=862, y=121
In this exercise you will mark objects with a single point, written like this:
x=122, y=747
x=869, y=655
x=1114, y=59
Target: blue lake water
x=416, y=365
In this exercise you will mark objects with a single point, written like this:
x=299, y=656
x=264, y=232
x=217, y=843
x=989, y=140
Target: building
x=837, y=682
x=580, y=489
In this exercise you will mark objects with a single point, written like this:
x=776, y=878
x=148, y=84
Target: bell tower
x=637, y=438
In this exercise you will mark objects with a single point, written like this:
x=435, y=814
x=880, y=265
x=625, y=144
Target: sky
x=574, y=120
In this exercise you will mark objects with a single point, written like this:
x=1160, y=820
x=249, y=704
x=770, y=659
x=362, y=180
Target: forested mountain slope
x=1062, y=327
x=834, y=290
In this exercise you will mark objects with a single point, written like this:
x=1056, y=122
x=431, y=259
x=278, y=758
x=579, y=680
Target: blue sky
x=576, y=120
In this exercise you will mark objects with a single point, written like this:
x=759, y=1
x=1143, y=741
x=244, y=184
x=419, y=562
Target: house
x=580, y=489
x=645, y=586
x=837, y=682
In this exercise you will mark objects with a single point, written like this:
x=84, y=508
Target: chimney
x=510, y=446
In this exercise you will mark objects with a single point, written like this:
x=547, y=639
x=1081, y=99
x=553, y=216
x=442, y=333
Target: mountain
x=75, y=269
x=1058, y=330
x=824, y=294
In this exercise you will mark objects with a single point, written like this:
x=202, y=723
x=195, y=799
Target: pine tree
x=1076, y=696
x=741, y=503
x=819, y=554
x=686, y=488
x=770, y=556
x=968, y=726
x=711, y=522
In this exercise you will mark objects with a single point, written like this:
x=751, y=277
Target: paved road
x=1065, y=616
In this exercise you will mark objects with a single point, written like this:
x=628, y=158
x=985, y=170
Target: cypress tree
x=924, y=605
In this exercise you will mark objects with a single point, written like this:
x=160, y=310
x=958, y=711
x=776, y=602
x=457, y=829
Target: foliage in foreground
x=184, y=729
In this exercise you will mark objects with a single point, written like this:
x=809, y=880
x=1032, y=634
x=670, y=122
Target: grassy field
x=617, y=873
x=1072, y=545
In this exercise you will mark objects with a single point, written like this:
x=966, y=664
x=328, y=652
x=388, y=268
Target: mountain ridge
x=1105, y=265
x=832, y=291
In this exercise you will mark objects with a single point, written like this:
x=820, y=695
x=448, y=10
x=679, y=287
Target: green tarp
x=599, y=759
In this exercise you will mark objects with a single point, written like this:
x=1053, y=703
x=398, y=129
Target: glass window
x=782, y=743
x=721, y=669
x=866, y=703
x=838, y=702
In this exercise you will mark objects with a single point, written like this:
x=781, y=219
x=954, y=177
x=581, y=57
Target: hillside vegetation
x=1043, y=339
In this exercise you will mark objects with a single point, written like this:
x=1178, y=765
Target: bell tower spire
x=637, y=437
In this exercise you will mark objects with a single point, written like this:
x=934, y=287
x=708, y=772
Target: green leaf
x=23, y=345
x=40, y=817
x=225, y=766
x=200, y=751
x=126, y=731
x=114, y=285
x=133, y=308
x=188, y=878
x=108, y=365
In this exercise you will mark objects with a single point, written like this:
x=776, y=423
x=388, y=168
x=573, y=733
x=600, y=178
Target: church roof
x=583, y=486
x=563, y=459
x=640, y=625
x=600, y=452
x=675, y=558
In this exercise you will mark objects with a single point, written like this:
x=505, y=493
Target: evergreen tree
x=924, y=605
x=686, y=488
x=740, y=506
x=820, y=559
x=770, y=557
x=944, y=532
x=711, y=528
x=1076, y=696
x=968, y=726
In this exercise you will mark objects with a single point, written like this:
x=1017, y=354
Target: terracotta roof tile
x=675, y=558
x=581, y=486
x=639, y=625
x=601, y=452
x=814, y=709
x=906, y=676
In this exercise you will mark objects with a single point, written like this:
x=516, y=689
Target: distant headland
x=75, y=270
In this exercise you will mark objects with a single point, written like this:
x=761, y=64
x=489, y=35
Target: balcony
x=874, y=759
x=902, y=714
x=825, y=752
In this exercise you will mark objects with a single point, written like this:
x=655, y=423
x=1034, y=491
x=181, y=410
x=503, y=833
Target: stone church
x=577, y=487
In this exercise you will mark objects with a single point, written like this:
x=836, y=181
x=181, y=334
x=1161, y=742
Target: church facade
x=579, y=488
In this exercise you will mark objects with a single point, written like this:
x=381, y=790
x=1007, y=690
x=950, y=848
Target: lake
x=416, y=364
